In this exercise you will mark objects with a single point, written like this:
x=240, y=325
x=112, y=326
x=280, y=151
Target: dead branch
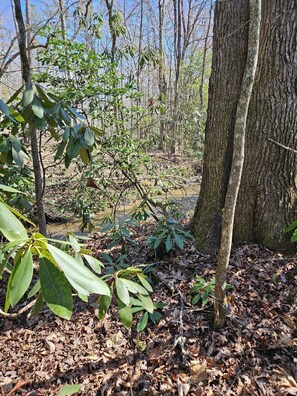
x=19, y=313
x=284, y=147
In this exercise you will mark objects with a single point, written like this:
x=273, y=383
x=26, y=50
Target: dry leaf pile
x=254, y=354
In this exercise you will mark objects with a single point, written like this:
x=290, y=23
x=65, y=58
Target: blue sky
x=6, y=13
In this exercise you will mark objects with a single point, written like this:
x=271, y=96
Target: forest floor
x=254, y=354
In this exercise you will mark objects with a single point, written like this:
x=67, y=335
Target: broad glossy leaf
x=65, y=116
x=20, y=278
x=4, y=108
x=39, y=123
x=28, y=96
x=4, y=145
x=196, y=298
x=89, y=137
x=60, y=150
x=15, y=142
x=74, y=243
x=134, y=287
x=155, y=317
x=145, y=283
x=18, y=214
x=291, y=226
x=83, y=297
x=141, y=325
x=16, y=115
x=168, y=243
x=178, y=240
x=147, y=303
x=95, y=264
x=67, y=390
x=37, y=108
x=294, y=237
x=35, y=289
x=37, y=306
x=122, y=291
x=126, y=316
x=80, y=291
x=84, y=155
x=43, y=96
x=73, y=147
x=80, y=274
x=10, y=189
x=157, y=243
x=104, y=304
x=10, y=226
x=74, y=113
x=19, y=157
x=55, y=289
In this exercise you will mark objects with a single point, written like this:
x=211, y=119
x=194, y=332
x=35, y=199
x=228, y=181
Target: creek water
x=186, y=198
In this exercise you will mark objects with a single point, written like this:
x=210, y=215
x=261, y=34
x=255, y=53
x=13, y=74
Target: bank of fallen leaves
x=254, y=354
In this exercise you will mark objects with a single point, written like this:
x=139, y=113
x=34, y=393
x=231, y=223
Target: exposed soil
x=254, y=354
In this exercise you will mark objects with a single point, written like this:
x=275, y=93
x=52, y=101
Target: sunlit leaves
x=122, y=291
x=10, y=226
x=44, y=110
x=4, y=108
x=59, y=272
x=28, y=96
x=141, y=325
x=55, y=289
x=20, y=278
x=78, y=273
x=126, y=317
x=68, y=390
x=104, y=304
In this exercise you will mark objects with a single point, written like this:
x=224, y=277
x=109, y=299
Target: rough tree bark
x=201, y=107
x=220, y=305
x=34, y=138
x=267, y=200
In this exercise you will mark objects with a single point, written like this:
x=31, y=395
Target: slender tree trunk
x=109, y=5
x=161, y=75
x=28, y=24
x=177, y=53
x=220, y=305
x=62, y=19
x=139, y=134
x=34, y=140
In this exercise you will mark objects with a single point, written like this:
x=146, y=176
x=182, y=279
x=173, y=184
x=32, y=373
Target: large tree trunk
x=220, y=305
x=267, y=200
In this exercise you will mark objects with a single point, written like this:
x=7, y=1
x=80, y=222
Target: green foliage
x=204, y=290
x=168, y=237
x=68, y=389
x=293, y=228
x=147, y=316
x=61, y=272
x=119, y=232
x=38, y=109
x=20, y=178
x=131, y=292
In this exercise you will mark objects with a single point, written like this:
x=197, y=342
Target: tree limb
x=284, y=147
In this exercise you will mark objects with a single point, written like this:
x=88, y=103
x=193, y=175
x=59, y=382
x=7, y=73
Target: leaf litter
x=254, y=354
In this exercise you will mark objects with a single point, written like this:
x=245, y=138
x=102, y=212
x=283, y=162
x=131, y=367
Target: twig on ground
x=180, y=339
